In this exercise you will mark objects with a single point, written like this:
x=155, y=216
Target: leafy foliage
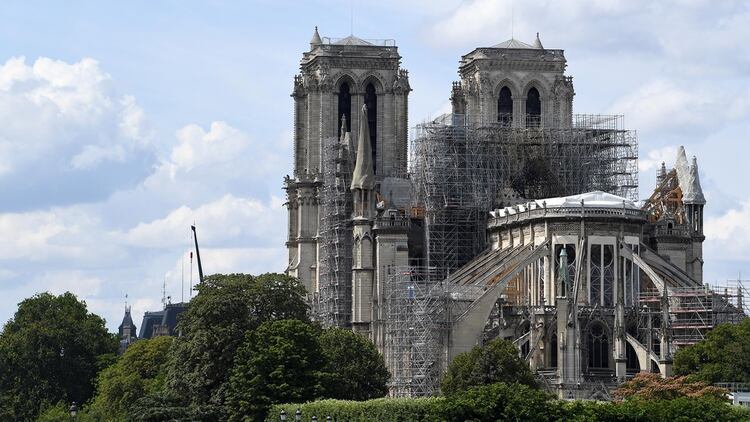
x=381, y=410
x=226, y=308
x=139, y=371
x=496, y=361
x=165, y=406
x=683, y=409
x=50, y=352
x=653, y=387
x=354, y=369
x=500, y=401
x=723, y=356
x=279, y=362
x=513, y=402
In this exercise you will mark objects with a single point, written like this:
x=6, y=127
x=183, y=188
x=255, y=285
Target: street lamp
x=314, y=419
x=298, y=415
x=73, y=410
x=283, y=415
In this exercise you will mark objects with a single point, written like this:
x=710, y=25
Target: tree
x=141, y=370
x=723, y=356
x=500, y=402
x=226, y=308
x=50, y=352
x=653, y=387
x=355, y=370
x=280, y=362
x=496, y=361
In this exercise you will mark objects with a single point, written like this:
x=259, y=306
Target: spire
x=343, y=128
x=682, y=167
x=315, y=39
x=694, y=194
x=661, y=174
x=364, y=176
x=538, y=42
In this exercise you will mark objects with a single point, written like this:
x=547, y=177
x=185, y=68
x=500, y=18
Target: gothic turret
x=693, y=193
x=126, y=330
x=363, y=185
x=315, y=41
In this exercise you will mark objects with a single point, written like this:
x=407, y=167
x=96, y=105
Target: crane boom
x=197, y=254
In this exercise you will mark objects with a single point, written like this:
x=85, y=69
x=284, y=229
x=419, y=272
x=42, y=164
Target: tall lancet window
x=345, y=107
x=371, y=100
x=505, y=107
x=597, y=343
x=533, y=108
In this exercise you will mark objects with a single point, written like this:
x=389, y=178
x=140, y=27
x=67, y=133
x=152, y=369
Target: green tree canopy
x=354, y=370
x=50, y=352
x=226, y=308
x=723, y=356
x=496, y=361
x=279, y=362
x=139, y=371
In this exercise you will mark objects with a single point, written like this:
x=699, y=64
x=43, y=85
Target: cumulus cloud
x=222, y=143
x=655, y=157
x=224, y=220
x=728, y=235
x=58, y=119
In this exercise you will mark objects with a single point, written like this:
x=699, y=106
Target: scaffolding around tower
x=333, y=303
x=415, y=326
x=461, y=171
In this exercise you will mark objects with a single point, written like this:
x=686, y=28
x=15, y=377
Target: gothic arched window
x=345, y=107
x=553, y=350
x=505, y=107
x=533, y=108
x=598, y=346
x=371, y=100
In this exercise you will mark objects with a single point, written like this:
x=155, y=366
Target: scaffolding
x=694, y=311
x=415, y=327
x=333, y=305
x=461, y=171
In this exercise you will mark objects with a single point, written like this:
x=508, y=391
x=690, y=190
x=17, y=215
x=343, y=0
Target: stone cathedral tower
x=516, y=84
x=337, y=77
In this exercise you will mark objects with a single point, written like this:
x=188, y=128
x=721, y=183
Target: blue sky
x=122, y=124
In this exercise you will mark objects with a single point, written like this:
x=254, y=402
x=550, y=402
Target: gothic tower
x=514, y=84
x=337, y=77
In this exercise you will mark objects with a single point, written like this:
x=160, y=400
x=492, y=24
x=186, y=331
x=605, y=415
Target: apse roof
x=595, y=199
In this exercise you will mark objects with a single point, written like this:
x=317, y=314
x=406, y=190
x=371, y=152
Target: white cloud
x=56, y=234
x=220, y=144
x=661, y=105
x=92, y=155
x=224, y=220
x=728, y=235
x=51, y=109
x=655, y=157
x=77, y=282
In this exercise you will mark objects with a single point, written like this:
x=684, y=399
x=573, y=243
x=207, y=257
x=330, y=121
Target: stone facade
x=338, y=77
x=564, y=278
x=519, y=68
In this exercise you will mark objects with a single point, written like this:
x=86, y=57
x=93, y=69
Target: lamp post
x=283, y=415
x=314, y=419
x=298, y=415
x=73, y=410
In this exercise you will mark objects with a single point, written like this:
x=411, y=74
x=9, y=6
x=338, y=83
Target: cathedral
x=509, y=217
